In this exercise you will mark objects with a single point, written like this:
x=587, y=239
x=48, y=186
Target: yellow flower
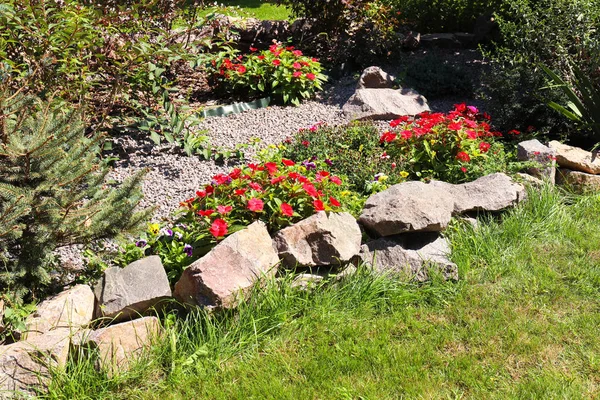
x=403, y=174
x=272, y=146
x=153, y=228
x=433, y=141
x=345, y=193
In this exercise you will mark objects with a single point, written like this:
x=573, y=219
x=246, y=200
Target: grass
x=522, y=323
x=261, y=9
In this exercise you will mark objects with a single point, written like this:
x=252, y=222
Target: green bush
x=433, y=78
x=52, y=194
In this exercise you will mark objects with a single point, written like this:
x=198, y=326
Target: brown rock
x=375, y=78
x=576, y=159
x=72, y=308
x=579, y=181
x=534, y=150
x=229, y=269
x=320, y=239
x=384, y=104
x=118, y=345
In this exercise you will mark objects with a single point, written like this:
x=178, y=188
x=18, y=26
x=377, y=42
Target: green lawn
x=260, y=9
x=522, y=323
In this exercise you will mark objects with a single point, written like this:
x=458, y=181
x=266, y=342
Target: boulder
x=534, y=150
x=119, y=344
x=407, y=207
x=428, y=207
x=492, y=192
x=375, y=78
x=72, y=308
x=580, y=182
x=320, y=239
x=125, y=293
x=411, y=255
x=24, y=366
x=440, y=40
x=384, y=104
x=411, y=40
x=575, y=158
x=229, y=269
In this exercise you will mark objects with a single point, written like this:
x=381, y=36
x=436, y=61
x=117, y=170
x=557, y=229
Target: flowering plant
x=278, y=192
x=280, y=71
x=456, y=147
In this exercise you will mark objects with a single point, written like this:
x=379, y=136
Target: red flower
x=296, y=65
x=218, y=228
x=276, y=62
x=334, y=202
x=253, y=49
x=406, y=134
x=310, y=76
x=286, y=209
x=261, y=57
x=224, y=209
x=305, y=143
x=335, y=180
x=310, y=189
x=318, y=205
x=297, y=74
x=462, y=156
x=271, y=167
x=293, y=175
x=280, y=178
x=240, y=192
x=256, y=167
x=255, y=186
x=255, y=204
x=240, y=68
x=387, y=137
x=455, y=126
x=287, y=163
x=514, y=132
x=290, y=48
x=463, y=169
x=206, y=213
x=297, y=53
x=201, y=193
x=484, y=147
x=314, y=59
x=235, y=173
x=209, y=189
x=472, y=134
x=221, y=179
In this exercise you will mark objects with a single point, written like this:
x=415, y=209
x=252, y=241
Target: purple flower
x=179, y=235
x=379, y=175
x=141, y=243
x=309, y=165
x=166, y=232
x=188, y=250
x=182, y=226
x=328, y=162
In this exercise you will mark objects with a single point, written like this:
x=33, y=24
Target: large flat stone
x=384, y=104
x=72, y=308
x=410, y=255
x=575, y=158
x=125, y=293
x=580, y=182
x=320, y=239
x=229, y=269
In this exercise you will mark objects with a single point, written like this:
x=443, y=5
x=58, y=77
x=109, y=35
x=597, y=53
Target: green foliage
x=53, y=193
x=584, y=101
x=278, y=192
x=433, y=78
x=281, y=72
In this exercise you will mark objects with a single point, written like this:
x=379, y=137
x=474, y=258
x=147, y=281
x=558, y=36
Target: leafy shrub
x=353, y=152
x=434, y=78
x=457, y=147
x=52, y=194
x=283, y=72
x=278, y=192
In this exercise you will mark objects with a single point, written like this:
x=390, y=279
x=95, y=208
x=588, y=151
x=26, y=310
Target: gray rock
x=229, y=269
x=579, y=182
x=418, y=206
x=534, y=150
x=411, y=40
x=492, y=192
x=575, y=158
x=375, y=78
x=118, y=345
x=530, y=179
x=306, y=281
x=441, y=40
x=125, y=293
x=412, y=256
x=384, y=104
x=72, y=308
x=318, y=240
x=24, y=366
x=407, y=207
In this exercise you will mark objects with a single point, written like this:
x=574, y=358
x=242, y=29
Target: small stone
x=125, y=293
x=119, y=344
x=534, y=150
x=575, y=158
x=318, y=240
x=306, y=281
x=580, y=182
x=229, y=269
x=72, y=308
x=375, y=78
x=384, y=104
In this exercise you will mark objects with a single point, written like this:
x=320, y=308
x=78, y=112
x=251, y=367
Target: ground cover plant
x=516, y=326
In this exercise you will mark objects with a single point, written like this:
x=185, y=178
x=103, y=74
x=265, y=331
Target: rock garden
x=198, y=203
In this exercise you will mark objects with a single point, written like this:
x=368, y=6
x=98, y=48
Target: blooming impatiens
x=282, y=72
